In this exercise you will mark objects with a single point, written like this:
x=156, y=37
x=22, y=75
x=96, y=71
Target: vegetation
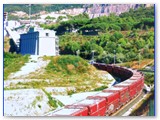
x=68, y=64
x=53, y=102
x=6, y=44
x=148, y=74
x=141, y=64
x=126, y=21
x=132, y=38
x=50, y=18
x=37, y=99
x=66, y=71
x=129, y=37
x=100, y=88
x=143, y=106
x=36, y=8
x=12, y=17
x=104, y=45
x=13, y=62
x=149, y=78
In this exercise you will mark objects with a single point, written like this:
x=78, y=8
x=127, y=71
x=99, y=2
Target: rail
x=109, y=100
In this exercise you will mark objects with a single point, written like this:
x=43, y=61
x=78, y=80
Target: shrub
x=68, y=64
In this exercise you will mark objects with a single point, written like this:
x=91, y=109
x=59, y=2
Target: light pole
x=114, y=56
x=139, y=60
x=77, y=52
x=93, y=55
x=139, y=56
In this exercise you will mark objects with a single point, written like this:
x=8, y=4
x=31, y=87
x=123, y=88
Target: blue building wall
x=29, y=43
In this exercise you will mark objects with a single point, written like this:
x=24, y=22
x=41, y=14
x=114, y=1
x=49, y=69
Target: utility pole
x=30, y=13
x=139, y=60
x=114, y=56
x=93, y=55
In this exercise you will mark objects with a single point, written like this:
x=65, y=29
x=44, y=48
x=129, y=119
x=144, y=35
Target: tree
x=117, y=35
x=114, y=27
x=60, y=18
x=122, y=42
x=120, y=57
x=125, y=26
x=110, y=47
x=74, y=46
x=13, y=17
x=50, y=18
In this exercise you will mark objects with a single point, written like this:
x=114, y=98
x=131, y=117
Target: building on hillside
x=12, y=24
x=38, y=41
x=5, y=16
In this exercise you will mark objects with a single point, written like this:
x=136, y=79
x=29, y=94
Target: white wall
x=12, y=24
x=47, y=46
x=47, y=43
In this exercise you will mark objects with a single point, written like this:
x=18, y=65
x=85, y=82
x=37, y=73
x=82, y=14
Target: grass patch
x=34, y=103
x=82, y=82
x=38, y=98
x=136, y=65
x=13, y=62
x=52, y=102
x=68, y=64
x=70, y=92
x=67, y=71
x=100, y=88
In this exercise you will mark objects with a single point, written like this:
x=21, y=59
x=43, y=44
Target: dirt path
x=35, y=63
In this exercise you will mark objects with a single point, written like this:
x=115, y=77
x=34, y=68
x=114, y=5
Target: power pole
x=139, y=60
x=114, y=56
x=93, y=55
x=30, y=13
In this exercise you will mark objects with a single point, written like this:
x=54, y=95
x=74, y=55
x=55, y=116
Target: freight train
x=109, y=100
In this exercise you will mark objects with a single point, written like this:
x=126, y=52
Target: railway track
x=126, y=107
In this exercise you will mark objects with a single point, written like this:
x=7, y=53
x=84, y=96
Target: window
x=47, y=34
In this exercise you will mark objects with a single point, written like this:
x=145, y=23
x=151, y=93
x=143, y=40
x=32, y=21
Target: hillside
x=94, y=9
x=67, y=71
x=130, y=36
x=36, y=8
x=97, y=10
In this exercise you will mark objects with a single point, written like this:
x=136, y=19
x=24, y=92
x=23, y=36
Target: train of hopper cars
x=109, y=100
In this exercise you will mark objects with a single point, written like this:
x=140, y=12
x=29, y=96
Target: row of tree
x=124, y=22
x=126, y=47
x=125, y=36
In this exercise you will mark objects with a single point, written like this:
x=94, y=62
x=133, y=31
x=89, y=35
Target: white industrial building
x=38, y=41
x=12, y=24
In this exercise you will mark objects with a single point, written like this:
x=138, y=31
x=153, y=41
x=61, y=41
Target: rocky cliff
x=97, y=10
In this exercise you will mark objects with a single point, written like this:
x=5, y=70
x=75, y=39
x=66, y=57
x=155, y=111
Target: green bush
x=68, y=64
x=13, y=62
